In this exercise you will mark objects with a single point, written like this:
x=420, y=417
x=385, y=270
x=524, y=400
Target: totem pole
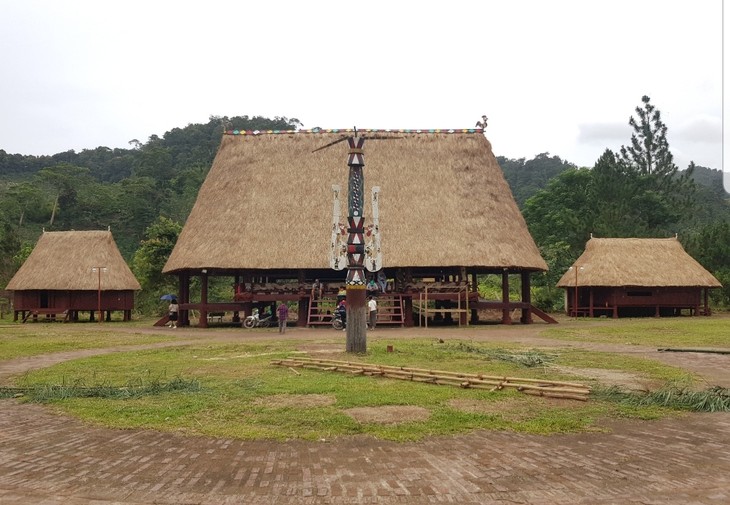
x=355, y=286
x=359, y=254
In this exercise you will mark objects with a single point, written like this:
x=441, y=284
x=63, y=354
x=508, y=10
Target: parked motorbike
x=337, y=322
x=254, y=321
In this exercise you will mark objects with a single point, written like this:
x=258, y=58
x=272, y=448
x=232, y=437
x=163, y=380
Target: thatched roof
x=267, y=203
x=637, y=262
x=63, y=260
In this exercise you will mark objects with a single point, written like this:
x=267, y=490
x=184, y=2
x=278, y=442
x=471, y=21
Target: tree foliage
x=638, y=193
x=564, y=211
x=526, y=177
x=149, y=260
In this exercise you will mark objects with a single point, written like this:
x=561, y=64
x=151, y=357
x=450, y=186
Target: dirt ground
x=50, y=459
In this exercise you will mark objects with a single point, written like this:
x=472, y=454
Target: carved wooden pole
x=355, y=287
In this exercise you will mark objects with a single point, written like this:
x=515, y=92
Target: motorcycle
x=337, y=322
x=253, y=321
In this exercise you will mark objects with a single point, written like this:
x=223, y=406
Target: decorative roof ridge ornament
x=366, y=131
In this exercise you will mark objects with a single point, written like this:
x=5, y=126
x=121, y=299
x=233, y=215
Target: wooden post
x=203, y=321
x=98, y=271
x=474, y=289
x=355, y=287
x=303, y=306
x=575, y=298
x=356, y=321
x=526, y=317
x=408, y=311
x=184, y=295
x=506, y=319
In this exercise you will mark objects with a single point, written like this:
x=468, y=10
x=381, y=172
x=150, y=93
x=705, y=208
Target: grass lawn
x=32, y=339
x=660, y=332
x=241, y=395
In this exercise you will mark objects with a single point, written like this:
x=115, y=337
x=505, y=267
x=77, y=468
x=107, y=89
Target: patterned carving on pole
x=355, y=287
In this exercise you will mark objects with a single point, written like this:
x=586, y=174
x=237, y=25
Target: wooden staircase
x=318, y=310
x=390, y=310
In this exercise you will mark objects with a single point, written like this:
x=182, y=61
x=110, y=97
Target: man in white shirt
x=372, y=312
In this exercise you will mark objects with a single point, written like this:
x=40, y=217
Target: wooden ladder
x=318, y=307
x=390, y=309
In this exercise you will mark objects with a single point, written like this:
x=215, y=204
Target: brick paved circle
x=52, y=459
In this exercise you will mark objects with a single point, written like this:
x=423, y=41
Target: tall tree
x=149, y=260
x=649, y=157
x=159, y=240
x=649, y=150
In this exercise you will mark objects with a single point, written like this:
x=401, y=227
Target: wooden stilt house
x=636, y=277
x=264, y=218
x=70, y=272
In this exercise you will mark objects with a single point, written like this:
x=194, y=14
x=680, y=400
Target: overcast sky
x=562, y=76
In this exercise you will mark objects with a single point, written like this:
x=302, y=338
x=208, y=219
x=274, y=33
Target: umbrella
x=168, y=297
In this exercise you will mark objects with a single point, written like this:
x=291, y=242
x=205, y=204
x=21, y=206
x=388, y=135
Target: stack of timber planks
x=538, y=387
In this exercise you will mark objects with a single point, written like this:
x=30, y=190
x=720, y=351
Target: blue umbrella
x=168, y=297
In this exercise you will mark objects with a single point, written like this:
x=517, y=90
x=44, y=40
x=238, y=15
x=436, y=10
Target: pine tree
x=664, y=194
x=649, y=152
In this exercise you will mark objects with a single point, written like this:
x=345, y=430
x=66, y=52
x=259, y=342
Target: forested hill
x=193, y=145
x=526, y=177
x=125, y=189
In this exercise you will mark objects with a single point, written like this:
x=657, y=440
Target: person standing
x=342, y=311
x=172, y=311
x=283, y=313
x=372, y=312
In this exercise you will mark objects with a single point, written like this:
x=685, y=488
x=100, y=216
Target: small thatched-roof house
x=636, y=276
x=72, y=271
x=264, y=213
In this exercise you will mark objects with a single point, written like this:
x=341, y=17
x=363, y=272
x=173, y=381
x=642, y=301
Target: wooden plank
x=556, y=389
x=443, y=372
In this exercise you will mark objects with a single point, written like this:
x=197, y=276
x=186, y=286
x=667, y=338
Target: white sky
x=562, y=76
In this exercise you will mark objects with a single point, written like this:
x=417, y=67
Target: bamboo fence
x=538, y=387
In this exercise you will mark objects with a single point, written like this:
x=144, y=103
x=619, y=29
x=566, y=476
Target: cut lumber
x=539, y=387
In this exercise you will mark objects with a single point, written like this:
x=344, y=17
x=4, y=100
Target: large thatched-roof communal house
x=636, y=277
x=73, y=271
x=263, y=216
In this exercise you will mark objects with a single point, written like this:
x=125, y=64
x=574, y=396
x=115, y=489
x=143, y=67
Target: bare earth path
x=53, y=459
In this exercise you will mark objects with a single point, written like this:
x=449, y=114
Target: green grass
x=649, y=369
x=659, y=332
x=32, y=339
x=236, y=380
x=674, y=395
